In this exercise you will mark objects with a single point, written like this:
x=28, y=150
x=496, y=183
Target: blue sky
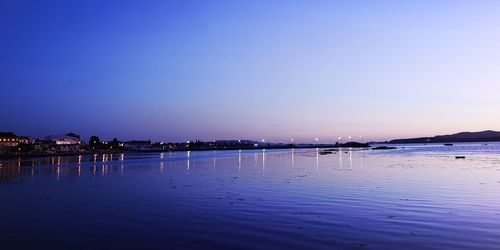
x=178, y=70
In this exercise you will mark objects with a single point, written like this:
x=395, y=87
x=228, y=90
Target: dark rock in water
x=383, y=148
x=325, y=152
x=352, y=145
x=448, y=144
x=459, y=157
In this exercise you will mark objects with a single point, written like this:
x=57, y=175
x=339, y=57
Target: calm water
x=417, y=197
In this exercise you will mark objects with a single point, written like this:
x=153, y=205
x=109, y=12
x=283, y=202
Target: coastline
x=58, y=154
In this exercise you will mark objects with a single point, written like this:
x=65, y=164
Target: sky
x=249, y=69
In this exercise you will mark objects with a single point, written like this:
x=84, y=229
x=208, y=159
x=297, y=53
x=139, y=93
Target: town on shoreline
x=12, y=145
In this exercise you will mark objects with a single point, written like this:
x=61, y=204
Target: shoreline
x=40, y=155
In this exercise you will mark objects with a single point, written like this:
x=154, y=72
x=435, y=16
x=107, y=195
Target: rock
x=325, y=152
x=383, y=148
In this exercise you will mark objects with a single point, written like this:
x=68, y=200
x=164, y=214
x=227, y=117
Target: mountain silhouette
x=482, y=136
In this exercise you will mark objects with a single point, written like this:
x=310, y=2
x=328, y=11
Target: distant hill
x=483, y=136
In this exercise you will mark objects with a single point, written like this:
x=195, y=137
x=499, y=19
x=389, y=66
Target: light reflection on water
x=416, y=197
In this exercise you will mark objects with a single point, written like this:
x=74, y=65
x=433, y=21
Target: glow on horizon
x=187, y=70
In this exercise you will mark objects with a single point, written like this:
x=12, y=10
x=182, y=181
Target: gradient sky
x=178, y=70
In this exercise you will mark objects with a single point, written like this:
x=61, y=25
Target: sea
x=413, y=197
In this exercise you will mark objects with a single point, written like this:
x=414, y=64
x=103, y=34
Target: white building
x=63, y=139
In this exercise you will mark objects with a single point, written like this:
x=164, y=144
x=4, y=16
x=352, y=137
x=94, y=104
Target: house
x=63, y=139
x=137, y=145
x=26, y=140
x=64, y=143
x=159, y=146
x=8, y=139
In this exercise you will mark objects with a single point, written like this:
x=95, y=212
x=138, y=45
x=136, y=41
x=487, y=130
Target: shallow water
x=409, y=198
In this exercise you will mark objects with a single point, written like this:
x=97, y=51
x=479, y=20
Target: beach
x=418, y=196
